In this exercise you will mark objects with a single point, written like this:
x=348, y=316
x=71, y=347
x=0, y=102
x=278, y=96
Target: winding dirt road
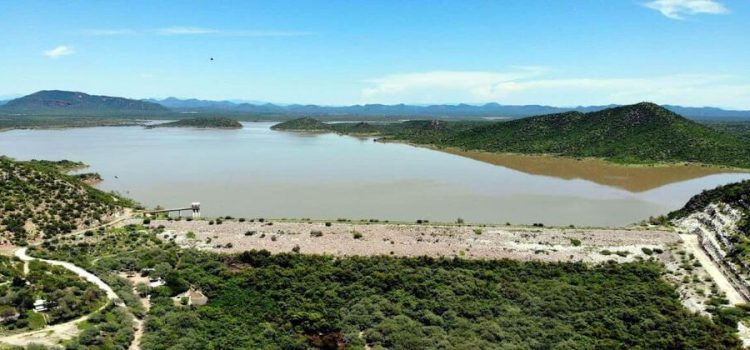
x=53, y=335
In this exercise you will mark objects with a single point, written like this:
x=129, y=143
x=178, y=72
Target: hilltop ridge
x=642, y=133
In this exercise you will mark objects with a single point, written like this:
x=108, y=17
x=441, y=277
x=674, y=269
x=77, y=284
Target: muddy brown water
x=258, y=172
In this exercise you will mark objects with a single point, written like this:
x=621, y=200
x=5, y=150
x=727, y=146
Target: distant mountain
x=708, y=112
x=2, y=102
x=55, y=102
x=404, y=110
x=69, y=102
x=173, y=102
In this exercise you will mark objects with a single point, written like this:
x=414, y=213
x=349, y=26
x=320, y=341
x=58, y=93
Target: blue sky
x=689, y=52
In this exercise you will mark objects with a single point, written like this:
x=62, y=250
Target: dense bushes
x=294, y=301
x=67, y=296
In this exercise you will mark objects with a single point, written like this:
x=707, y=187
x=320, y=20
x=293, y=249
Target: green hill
x=204, y=123
x=56, y=102
x=38, y=198
x=641, y=133
x=302, y=124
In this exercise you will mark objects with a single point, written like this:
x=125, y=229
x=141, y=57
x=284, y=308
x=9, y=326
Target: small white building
x=40, y=305
x=156, y=282
x=193, y=296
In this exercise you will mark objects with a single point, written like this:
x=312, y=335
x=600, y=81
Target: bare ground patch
x=467, y=241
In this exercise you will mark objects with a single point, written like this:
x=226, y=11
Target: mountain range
x=442, y=110
x=57, y=102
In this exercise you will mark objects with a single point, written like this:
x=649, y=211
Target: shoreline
x=546, y=156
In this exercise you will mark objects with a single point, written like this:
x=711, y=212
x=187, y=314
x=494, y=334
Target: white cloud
x=475, y=82
x=146, y=75
x=59, y=51
x=678, y=9
x=535, y=86
x=248, y=33
x=185, y=31
x=108, y=32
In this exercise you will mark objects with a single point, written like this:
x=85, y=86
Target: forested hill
x=37, y=198
x=56, y=102
x=302, y=124
x=202, y=123
x=641, y=133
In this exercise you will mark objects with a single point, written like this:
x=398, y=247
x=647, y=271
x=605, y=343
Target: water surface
x=257, y=172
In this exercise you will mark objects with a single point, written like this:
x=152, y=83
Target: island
x=303, y=124
x=201, y=123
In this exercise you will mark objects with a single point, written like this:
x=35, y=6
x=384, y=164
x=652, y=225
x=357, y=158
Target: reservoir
x=258, y=172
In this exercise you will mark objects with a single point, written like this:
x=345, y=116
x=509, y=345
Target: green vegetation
x=62, y=166
x=294, y=301
x=740, y=129
x=111, y=328
x=50, y=122
x=202, y=123
x=643, y=133
x=302, y=124
x=66, y=295
x=37, y=198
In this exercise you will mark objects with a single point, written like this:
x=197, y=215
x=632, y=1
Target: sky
x=550, y=52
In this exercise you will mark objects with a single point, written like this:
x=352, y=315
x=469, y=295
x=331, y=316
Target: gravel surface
x=478, y=242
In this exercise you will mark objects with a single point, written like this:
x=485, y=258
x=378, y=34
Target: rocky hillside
x=38, y=199
x=721, y=220
x=734, y=197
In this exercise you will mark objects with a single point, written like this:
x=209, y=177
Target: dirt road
x=53, y=335
x=692, y=245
